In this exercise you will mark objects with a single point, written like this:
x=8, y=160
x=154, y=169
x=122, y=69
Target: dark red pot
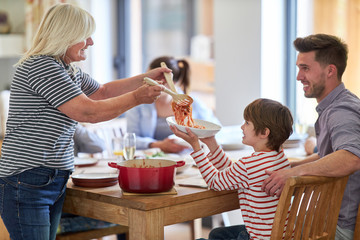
x=146, y=175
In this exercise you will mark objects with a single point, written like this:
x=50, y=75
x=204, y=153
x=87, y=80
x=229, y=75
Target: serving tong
x=169, y=78
x=178, y=98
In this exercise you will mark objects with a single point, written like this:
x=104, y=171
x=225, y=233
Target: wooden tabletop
x=146, y=216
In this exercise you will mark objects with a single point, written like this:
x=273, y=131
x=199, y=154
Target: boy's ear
x=265, y=133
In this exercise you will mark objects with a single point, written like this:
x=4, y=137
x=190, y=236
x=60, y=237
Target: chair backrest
x=308, y=208
x=357, y=226
x=4, y=110
x=107, y=131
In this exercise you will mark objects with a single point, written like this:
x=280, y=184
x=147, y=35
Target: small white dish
x=85, y=162
x=210, y=128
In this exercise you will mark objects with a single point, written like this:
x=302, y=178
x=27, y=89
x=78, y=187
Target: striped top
x=37, y=133
x=246, y=175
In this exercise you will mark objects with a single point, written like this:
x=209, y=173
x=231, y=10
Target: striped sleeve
x=234, y=176
x=47, y=79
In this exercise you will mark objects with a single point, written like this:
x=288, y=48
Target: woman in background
x=148, y=122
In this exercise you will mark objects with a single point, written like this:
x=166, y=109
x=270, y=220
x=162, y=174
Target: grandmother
x=49, y=96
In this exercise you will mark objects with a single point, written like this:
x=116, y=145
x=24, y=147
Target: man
x=86, y=141
x=322, y=61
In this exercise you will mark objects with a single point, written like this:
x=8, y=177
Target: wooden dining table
x=146, y=215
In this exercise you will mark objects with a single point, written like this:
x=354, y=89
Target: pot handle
x=180, y=163
x=112, y=164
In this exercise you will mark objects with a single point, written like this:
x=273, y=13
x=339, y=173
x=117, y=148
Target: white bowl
x=210, y=128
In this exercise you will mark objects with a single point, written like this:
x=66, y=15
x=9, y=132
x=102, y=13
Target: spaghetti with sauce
x=183, y=115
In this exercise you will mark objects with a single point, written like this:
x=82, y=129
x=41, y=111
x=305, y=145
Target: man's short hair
x=328, y=50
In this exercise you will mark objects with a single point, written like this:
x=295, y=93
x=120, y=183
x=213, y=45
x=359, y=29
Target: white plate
x=210, y=128
x=84, y=162
x=192, y=182
x=232, y=146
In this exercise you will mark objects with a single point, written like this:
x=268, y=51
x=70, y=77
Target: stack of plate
x=95, y=179
x=295, y=140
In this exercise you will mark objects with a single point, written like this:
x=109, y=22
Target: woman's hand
x=189, y=137
x=168, y=146
x=158, y=74
x=147, y=93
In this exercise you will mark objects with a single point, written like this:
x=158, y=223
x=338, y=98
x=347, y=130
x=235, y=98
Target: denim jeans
x=31, y=203
x=343, y=234
x=236, y=232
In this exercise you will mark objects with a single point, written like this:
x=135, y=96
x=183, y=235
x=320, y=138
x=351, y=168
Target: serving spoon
x=180, y=99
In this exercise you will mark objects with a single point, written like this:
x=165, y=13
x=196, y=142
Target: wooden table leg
x=144, y=225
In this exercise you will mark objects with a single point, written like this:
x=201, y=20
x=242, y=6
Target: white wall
x=249, y=54
x=100, y=61
x=273, y=48
x=237, y=35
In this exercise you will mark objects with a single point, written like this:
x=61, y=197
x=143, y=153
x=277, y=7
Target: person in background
x=322, y=61
x=87, y=142
x=267, y=125
x=149, y=122
x=49, y=95
x=310, y=145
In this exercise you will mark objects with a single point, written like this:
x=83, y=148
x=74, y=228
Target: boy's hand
x=189, y=137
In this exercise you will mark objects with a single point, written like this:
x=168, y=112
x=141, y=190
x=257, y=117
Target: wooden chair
x=357, y=226
x=96, y=233
x=4, y=235
x=309, y=208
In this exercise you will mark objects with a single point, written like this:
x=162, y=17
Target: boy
x=267, y=125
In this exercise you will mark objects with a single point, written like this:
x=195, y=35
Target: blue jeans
x=236, y=232
x=31, y=203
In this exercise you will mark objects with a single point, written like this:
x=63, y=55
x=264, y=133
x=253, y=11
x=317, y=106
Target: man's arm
x=336, y=164
x=311, y=158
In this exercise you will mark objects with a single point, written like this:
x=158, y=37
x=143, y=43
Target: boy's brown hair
x=266, y=113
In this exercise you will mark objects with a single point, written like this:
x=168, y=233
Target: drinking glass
x=129, y=145
x=117, y=148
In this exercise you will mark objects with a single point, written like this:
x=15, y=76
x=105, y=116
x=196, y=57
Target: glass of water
x=129, y=145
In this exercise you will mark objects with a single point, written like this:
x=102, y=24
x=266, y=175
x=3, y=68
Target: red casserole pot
x=146, y=175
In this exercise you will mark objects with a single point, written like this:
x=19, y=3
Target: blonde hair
x=62, y=26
